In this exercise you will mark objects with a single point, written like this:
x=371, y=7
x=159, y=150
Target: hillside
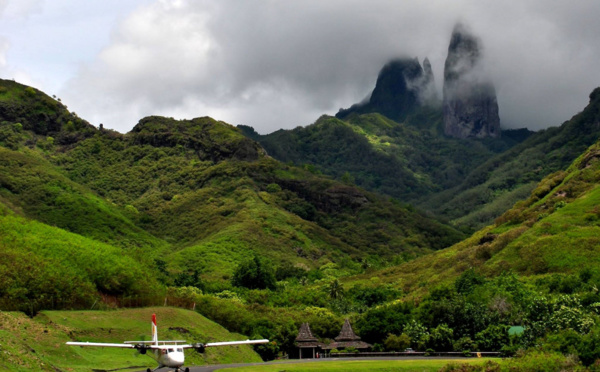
x=38, y=344
x=555, y=230
x=468, y=182
x=191, y=196
x=44, y=267
x=407, y=160
x=501, y=181
x=214, y=206
x=196, y=212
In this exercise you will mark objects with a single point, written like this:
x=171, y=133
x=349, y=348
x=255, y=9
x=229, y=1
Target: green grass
x=38, y=344
x=356, y=365
x=46, y=267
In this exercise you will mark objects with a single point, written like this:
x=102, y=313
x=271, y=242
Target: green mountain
x=467, y=181
x=509, y=177
x=410, y=161
x=172, y=198
x=554, y=231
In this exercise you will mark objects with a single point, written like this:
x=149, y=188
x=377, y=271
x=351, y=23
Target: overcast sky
x=281, y=63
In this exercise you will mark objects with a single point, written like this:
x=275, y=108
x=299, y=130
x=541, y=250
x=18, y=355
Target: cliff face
x=402, y=86
x=470, y=104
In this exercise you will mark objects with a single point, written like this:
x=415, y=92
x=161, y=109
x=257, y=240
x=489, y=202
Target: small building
x=347, y=338
x=308, y=345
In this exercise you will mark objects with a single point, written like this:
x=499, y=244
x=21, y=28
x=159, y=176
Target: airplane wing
x=200, y=346
x=227, y=343
x=165, y=344
x=101, y=344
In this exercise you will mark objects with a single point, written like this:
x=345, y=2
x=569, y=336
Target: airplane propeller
x=199, y=347
x=141, y=348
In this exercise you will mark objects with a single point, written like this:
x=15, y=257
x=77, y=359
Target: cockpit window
x=180, y=350
x=170, y=350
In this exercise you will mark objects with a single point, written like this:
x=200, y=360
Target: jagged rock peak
x=470, y=104
x=402, y=86
x=428, y=92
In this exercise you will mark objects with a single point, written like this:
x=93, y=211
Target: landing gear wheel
x=148, y=370
x=187, y=370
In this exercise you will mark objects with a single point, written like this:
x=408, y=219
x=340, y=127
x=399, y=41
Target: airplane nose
x=177, y=358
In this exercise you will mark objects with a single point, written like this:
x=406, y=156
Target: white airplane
x=166, y=353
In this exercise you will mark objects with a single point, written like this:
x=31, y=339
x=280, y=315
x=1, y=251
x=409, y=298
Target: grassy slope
x=47, y=267
x=36, y=189
x=555, y=230
x=38, y=344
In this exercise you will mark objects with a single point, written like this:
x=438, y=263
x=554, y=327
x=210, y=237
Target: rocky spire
x=428, y=93
x=470, y=105
x=402, y=86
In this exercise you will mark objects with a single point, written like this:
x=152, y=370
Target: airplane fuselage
x=169, y=356
x=166, y=353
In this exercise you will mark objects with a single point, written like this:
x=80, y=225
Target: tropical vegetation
x=197, y=214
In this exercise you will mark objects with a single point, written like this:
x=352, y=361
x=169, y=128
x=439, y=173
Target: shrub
x=493, y=338
x=464, y=343
x=468, y=281
x=542, y=361
x=30, y=91
x=254, y=274
x=273, y=188
x=396, y=343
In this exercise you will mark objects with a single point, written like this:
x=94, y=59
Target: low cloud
x=280, y=64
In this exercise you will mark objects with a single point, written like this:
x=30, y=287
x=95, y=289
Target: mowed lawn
x=358, y=365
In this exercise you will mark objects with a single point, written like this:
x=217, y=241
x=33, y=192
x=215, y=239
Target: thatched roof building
x=306, y=342
x=347, y=338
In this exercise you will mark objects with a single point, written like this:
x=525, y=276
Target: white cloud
x=3, y=48
x=273, y=64
x=21, y=8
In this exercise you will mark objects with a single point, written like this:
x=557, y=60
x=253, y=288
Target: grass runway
x=425, y=365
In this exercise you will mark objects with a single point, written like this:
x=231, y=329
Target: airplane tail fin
x=154, y=330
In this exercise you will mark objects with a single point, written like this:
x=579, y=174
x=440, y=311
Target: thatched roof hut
x=305, y=341
x=347, y=338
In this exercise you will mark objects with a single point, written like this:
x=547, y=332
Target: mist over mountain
x=470, y=104
x=402, y=86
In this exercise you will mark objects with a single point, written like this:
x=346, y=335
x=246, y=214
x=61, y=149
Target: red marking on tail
x=154, y=319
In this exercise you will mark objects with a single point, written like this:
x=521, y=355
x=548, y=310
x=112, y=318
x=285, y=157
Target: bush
x=254, y=274
x=273, y=188
x=488, y=366
x=542, y=361
x=396, y=343
x=468, y=281
x=464, y=343
x=30, y=91
x=493, y=338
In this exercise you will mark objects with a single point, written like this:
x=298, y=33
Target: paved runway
x=324, y=360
